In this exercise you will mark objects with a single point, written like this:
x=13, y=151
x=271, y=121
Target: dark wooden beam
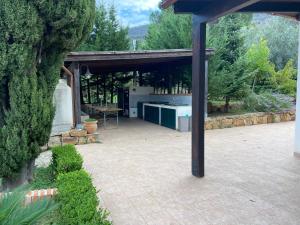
x=211, y=10
x=274, y=7
x=198, y=99
x=77, y=93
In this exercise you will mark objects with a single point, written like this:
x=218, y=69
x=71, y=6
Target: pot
x=91, y=127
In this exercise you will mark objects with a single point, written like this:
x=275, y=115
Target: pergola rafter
x=205, y=11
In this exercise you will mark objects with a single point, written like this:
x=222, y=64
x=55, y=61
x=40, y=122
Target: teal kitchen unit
x=151, y=114
x=165, y=114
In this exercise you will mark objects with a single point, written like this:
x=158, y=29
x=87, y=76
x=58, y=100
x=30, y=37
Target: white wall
x=297, y=138
x=174, y=99
x=62, y=99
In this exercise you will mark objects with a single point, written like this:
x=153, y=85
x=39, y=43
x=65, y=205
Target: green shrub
x=90, y=120
x=66, y=159
x=78, y=200
x=267, y=102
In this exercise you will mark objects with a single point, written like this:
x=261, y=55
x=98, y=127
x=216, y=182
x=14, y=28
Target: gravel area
x=44, y=159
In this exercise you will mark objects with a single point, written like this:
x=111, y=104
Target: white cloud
x=135, y=5
x=133, y=12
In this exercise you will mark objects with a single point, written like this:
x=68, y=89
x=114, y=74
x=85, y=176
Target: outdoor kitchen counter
x=166, y=115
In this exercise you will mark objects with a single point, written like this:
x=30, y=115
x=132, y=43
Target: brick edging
x=35, y=195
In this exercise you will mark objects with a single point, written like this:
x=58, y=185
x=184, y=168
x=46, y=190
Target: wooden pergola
x=121, y=61
x=205, y=11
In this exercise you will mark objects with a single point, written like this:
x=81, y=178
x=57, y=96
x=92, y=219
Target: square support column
x=297, y=137
x=77, y=94
x=198, y=101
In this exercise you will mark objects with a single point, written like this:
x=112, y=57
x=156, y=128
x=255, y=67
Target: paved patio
x=144, y=174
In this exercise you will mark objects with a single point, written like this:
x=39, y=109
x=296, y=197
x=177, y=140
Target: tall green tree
x=170, y=31
x=227, y=75
x=108, y=35
x=35, y=37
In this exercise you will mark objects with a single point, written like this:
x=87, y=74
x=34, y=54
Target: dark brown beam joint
x=198, y=100
x=285, y=7
x=212, y=10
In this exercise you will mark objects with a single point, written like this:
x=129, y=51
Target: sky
x=133, y=12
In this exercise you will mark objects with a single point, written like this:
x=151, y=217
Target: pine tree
x=35, y=37
x=108, y=35
x=227, y=77
x=170, y=31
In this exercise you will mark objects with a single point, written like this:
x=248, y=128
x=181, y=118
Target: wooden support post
x=198, y=101
x=89, y=91
x=77, y=93
x=97, y=89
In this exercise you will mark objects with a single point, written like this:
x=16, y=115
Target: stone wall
x=74, y=137
x=248, y=119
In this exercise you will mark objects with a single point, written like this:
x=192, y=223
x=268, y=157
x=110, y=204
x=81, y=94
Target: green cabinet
x=140, y=106
x=151, y=114
x=168, y=118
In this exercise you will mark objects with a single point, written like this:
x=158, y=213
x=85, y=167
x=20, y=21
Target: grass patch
x=43, y=178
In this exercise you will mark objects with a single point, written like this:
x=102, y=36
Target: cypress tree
x=35, y=37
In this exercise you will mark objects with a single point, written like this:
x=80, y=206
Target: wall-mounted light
x=88, y=73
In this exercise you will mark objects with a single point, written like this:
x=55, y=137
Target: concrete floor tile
x=144, y=174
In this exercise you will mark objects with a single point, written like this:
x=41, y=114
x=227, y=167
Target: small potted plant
x=91, y=125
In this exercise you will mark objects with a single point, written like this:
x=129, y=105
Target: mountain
x=138, y=32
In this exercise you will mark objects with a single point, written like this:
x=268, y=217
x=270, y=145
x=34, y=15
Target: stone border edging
x=249, y=119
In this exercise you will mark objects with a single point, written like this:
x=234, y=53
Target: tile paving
x=144, y=174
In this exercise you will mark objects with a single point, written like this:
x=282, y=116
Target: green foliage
x=108, y=34
x=78, y=200
x=266, y=102
x=13, y=211
x=35, y=36
x=282, y=37
x=263, y=72
x=43, y=178
x=284, y=80
x=90, y=120
x=227, y=76
x=66, y=159
x=168, y=31
x=259, y=66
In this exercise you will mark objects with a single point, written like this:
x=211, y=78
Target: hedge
x=66, y=159
x=78, y=200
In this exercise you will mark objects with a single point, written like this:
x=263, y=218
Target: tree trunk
x=141, y=79
x=25, y=176
x=111, y=96
x=112, y=89
x=254, y=83
x=97, y=89
x=89, y=91
x=226, y=107
x=169, y=84
x=104, y=89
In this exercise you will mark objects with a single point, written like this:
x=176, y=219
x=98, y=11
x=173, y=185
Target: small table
x=106, y=111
